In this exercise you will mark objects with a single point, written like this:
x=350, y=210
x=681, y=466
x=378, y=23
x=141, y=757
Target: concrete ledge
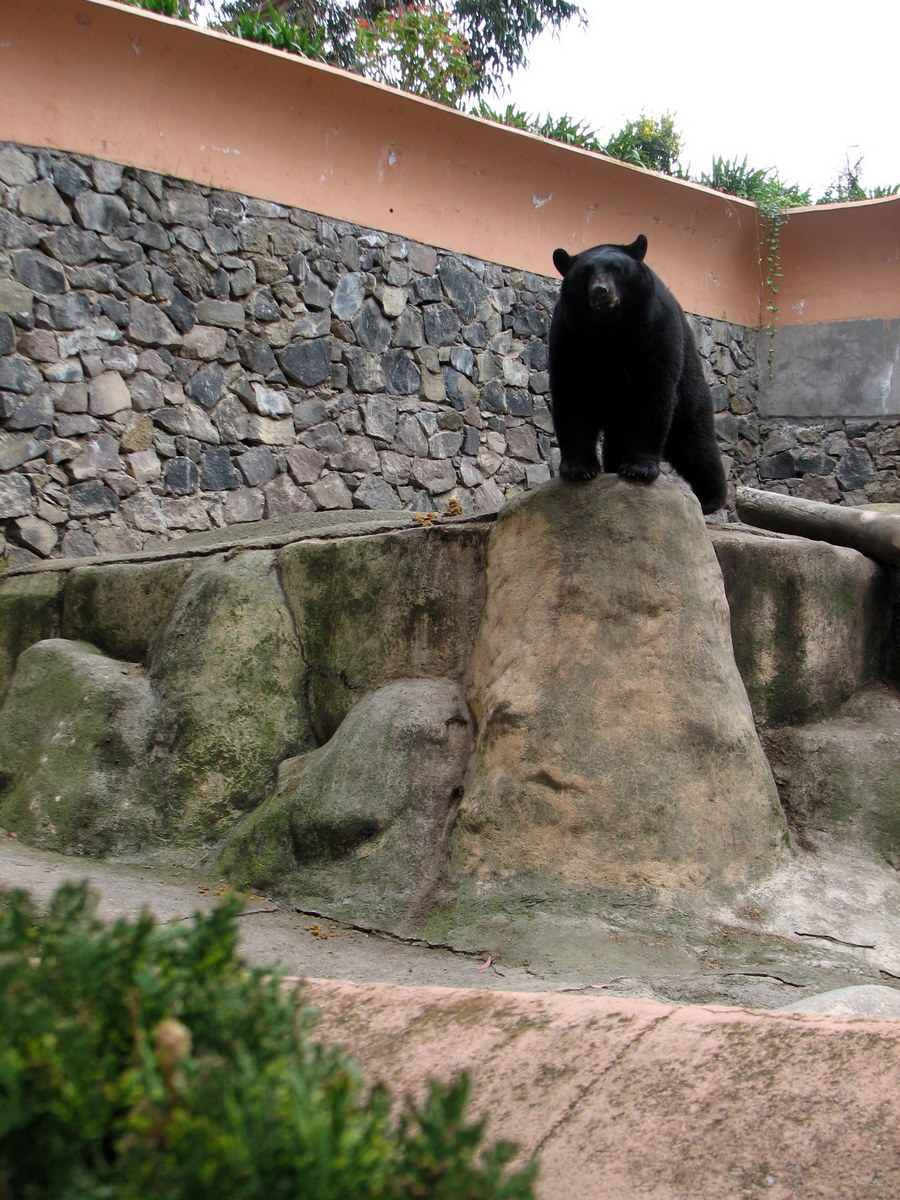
x=628, y=1098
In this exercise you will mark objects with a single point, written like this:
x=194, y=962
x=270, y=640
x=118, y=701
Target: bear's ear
x=562, y=260
x=638, y=248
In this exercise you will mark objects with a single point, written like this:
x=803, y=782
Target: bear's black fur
x=623, y=362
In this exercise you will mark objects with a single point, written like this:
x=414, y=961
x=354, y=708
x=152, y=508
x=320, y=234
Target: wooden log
x=875, y=534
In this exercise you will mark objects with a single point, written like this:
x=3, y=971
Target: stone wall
x=175, y=358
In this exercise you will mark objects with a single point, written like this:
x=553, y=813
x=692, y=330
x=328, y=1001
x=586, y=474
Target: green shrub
x=139, y=1061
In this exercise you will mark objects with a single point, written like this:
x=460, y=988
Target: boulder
x=30, y=608
x=119, y=606
x=369, y=610
x=231, y=685
x=841, y=776
x=79, y=780
x=361, y=824
x=809, y=621
x=615, y=745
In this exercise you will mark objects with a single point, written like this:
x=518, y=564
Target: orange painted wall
x=841, y=262
x=99, y=78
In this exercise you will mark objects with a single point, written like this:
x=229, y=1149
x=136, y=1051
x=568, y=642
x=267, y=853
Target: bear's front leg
x=621, y=456
x=576, y=435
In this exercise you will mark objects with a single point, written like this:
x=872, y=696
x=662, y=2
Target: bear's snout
x=602, y=296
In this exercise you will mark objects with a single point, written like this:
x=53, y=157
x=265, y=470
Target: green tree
x=418, y=48
x=496, y=33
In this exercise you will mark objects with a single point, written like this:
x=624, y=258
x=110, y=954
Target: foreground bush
x=139, y=1061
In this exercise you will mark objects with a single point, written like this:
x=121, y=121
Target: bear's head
x=604, y=281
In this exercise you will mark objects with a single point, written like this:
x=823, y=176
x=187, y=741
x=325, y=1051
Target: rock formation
x=615, y=742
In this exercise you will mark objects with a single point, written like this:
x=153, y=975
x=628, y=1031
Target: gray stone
x=32, y=412
x=330, y=492
x=37, y=534
x=78, y=543
x=99, y=454
x=16, y=167
x=271, y=431
x=309, y=413
x=441, y=324
x=228, y=314
x=70, y=311
x=402, y=377
x=182, y=476
x=244, y=505
x=91, y=499
x=268, y=402
x=72, y=246
x=150, y=326
x=374, y=492
x=204, y=341
x=187, y=420
x=18, y=375
x=305, y=463
x=256, y=355
x=7, y=334
x=15, y=495
x=186, y=208
x=372, y=329
x=69, y=178
x=366, y=374
x=308, y=362
x=257, y=466
x=348, y=296
x=444, y=444
x=380, y=418
x=42, y=202
x=855, y=469
x=216, y=471
x=108, y=393
x=464, y=289
x=38, y=272
x=102, y=213
x=283, y=497
x=207, y=385
x=16, y=300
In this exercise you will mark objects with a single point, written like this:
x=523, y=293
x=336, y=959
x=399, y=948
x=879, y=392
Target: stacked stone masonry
x=174, y=358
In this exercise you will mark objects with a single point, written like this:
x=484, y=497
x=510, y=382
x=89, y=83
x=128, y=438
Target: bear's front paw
x=579, y=470
x=644, y=470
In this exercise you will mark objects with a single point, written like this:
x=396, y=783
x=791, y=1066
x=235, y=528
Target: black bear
x=623, y=362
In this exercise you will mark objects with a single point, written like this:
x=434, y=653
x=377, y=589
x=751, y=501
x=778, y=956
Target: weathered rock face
x=809, y=621
x=615, y=743
x=369, y=611
x=75, y=734
x=362, y=823
x=841, y=776
x=230, y=678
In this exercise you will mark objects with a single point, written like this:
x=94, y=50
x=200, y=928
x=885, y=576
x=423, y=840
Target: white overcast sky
x=797, y=85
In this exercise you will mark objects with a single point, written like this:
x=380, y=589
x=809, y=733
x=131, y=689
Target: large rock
x=231, y=684
x=361, y=823
x=841, y=776
x=809, y=621
x=30, y=610
x=120, y=606
x=615, y=743
x=369, y=610
x=74, y=737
